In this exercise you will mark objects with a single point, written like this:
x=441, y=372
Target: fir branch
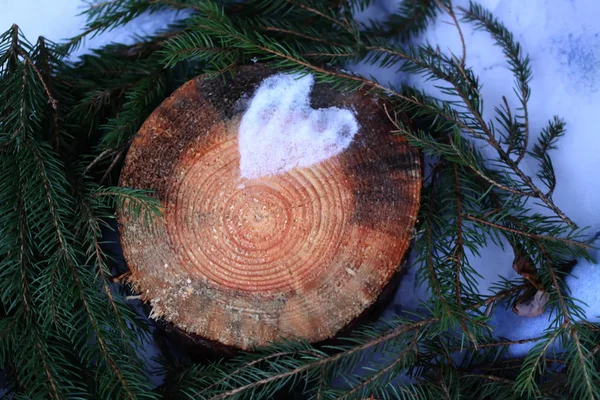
x=458, y=253
x=30, y=62
x=520, y=65
x=49, y=374
x=547, y=142
x=371, y=383
x=411, y=18
x=135, y=202
x=534, y=364
x=322, y=12
x=318, y=363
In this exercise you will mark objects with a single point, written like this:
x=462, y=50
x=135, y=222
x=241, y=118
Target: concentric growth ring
x=247, y=261
x=260, y=236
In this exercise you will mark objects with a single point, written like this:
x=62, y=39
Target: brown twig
x=329, y=54
x=450, y=10
x=344, y=25
x=302, y=35
x=530, y=235
x=98, y=158
x=246, y=366
x=121, y=278
x=112, y=165
x=487, y=178
x=495, y=379
x=511, y=342
x=55, y=391
x=53, y=102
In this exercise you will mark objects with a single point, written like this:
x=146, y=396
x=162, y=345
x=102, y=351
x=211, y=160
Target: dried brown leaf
x=531, y=306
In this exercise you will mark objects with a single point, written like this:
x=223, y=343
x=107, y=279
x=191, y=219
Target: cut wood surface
x=247, y=261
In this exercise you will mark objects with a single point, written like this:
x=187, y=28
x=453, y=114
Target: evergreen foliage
x=66, y=331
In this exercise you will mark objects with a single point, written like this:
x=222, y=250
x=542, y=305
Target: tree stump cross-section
x=244, y=262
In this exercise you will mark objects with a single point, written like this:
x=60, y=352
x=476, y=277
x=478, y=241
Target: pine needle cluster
x=66, y=329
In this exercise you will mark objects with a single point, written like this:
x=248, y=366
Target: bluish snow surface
x=562, y=38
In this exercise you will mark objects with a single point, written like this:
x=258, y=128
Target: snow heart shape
x=280, y=131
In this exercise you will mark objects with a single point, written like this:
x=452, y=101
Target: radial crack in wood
x=244, y=262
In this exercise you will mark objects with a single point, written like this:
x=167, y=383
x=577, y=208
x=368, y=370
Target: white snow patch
x=280, y=131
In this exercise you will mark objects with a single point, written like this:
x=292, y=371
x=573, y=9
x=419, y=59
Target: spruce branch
x=411, y=18
x=520, y=65
x=547, y=141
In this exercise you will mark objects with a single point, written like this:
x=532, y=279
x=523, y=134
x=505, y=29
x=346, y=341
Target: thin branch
x=55, y=391
x=301, y=35
x=120, y=278
x=511, y=342
x=246, y=366
x=506, y=158
x=450, y=10
x=530, y=235
x=175, y=5
x=589, y=381
x=495, y=378
x=487, y=178
x=561, y=300
x=344, y=25
x=53, y=102
x=112, y=165
x=328, y=54
x=98, y=158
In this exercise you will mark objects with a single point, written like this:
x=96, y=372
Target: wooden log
x=245, y=261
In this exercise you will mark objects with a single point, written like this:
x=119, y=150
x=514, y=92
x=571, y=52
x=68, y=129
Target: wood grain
x=245, y=262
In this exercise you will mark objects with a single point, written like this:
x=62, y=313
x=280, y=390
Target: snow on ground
x=562, y=38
